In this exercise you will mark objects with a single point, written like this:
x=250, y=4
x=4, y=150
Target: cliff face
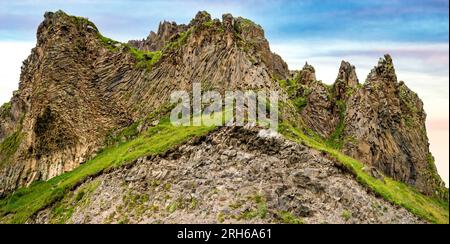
x=381, y=122
x=386, y=122
x=61, y=111
x=77, y=87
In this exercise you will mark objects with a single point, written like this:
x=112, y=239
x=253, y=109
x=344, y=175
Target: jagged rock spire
x=200, y=18
x=384, y=70
x=307, y=74
x=346, y=80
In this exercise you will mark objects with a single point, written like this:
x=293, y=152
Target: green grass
x=209, y=23
x=144, y=59
x=292, y=88
x=9, y=146
x=346, y=215
x=427, y=208
x=247, y=24
x=64, y=209
x=288, y=218
x=25, y=202
x=336, y=141
x=180, y=41
x=125, y=134
x=5, y=109
x=300, y=102
x=108, y=42
x=259, y=209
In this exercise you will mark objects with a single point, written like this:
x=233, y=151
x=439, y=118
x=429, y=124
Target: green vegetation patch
x=9, y=146
x=336, y=141
x=144, y=59
x=300, y=102
x=297, y=93
x=25, y=202
x=245, y=24
x=81, y=21
x=346, y=215
x=63, y=210
x=259, y=210
x=5, y=110
x=427, y=208
x=109, y=43
x=288, y=218
x=179, y=41
x=209, y=23
x=123, y=135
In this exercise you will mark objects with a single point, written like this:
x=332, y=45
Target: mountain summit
x=88, y=126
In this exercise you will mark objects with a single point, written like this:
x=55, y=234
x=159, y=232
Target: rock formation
x=380, y=122
x=78, y=87
x=233, y=175
x=386, y=122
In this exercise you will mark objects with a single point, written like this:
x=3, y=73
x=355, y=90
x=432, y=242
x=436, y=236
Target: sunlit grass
x=24, y=203
x=427, y=208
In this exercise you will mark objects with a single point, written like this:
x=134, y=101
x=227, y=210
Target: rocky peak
x=312, y=98
x=63, y=109
x=200, y=18
x=156, y=41
x=346, y=81
x=384, y=71
x=307, y=74
x=387, y=121
x=228, y=22
x=203, y=31
x=59, y=25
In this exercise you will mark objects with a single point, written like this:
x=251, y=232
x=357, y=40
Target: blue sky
x=393, y=20
x=322, y=32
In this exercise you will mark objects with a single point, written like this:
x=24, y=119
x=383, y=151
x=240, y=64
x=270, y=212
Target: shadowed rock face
x=319, y=113
x=77, y=86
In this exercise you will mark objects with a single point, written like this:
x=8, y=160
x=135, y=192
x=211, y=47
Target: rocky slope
x=79, y=89
x=233, y=175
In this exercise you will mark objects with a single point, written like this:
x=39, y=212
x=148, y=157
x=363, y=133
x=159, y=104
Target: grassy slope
x=25, y=202
x=395, y=192
x=21, y=205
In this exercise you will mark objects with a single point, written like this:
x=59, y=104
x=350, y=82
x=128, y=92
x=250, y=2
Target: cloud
x=438, y=134
x=363, y=20
x=13, y=54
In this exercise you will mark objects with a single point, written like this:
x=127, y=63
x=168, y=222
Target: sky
x=414, y=32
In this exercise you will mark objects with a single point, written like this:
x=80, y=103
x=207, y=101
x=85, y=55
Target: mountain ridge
x=79, y=89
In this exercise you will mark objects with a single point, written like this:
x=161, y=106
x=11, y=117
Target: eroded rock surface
x=386, y=122
x=77, y=86
x=233, y=175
